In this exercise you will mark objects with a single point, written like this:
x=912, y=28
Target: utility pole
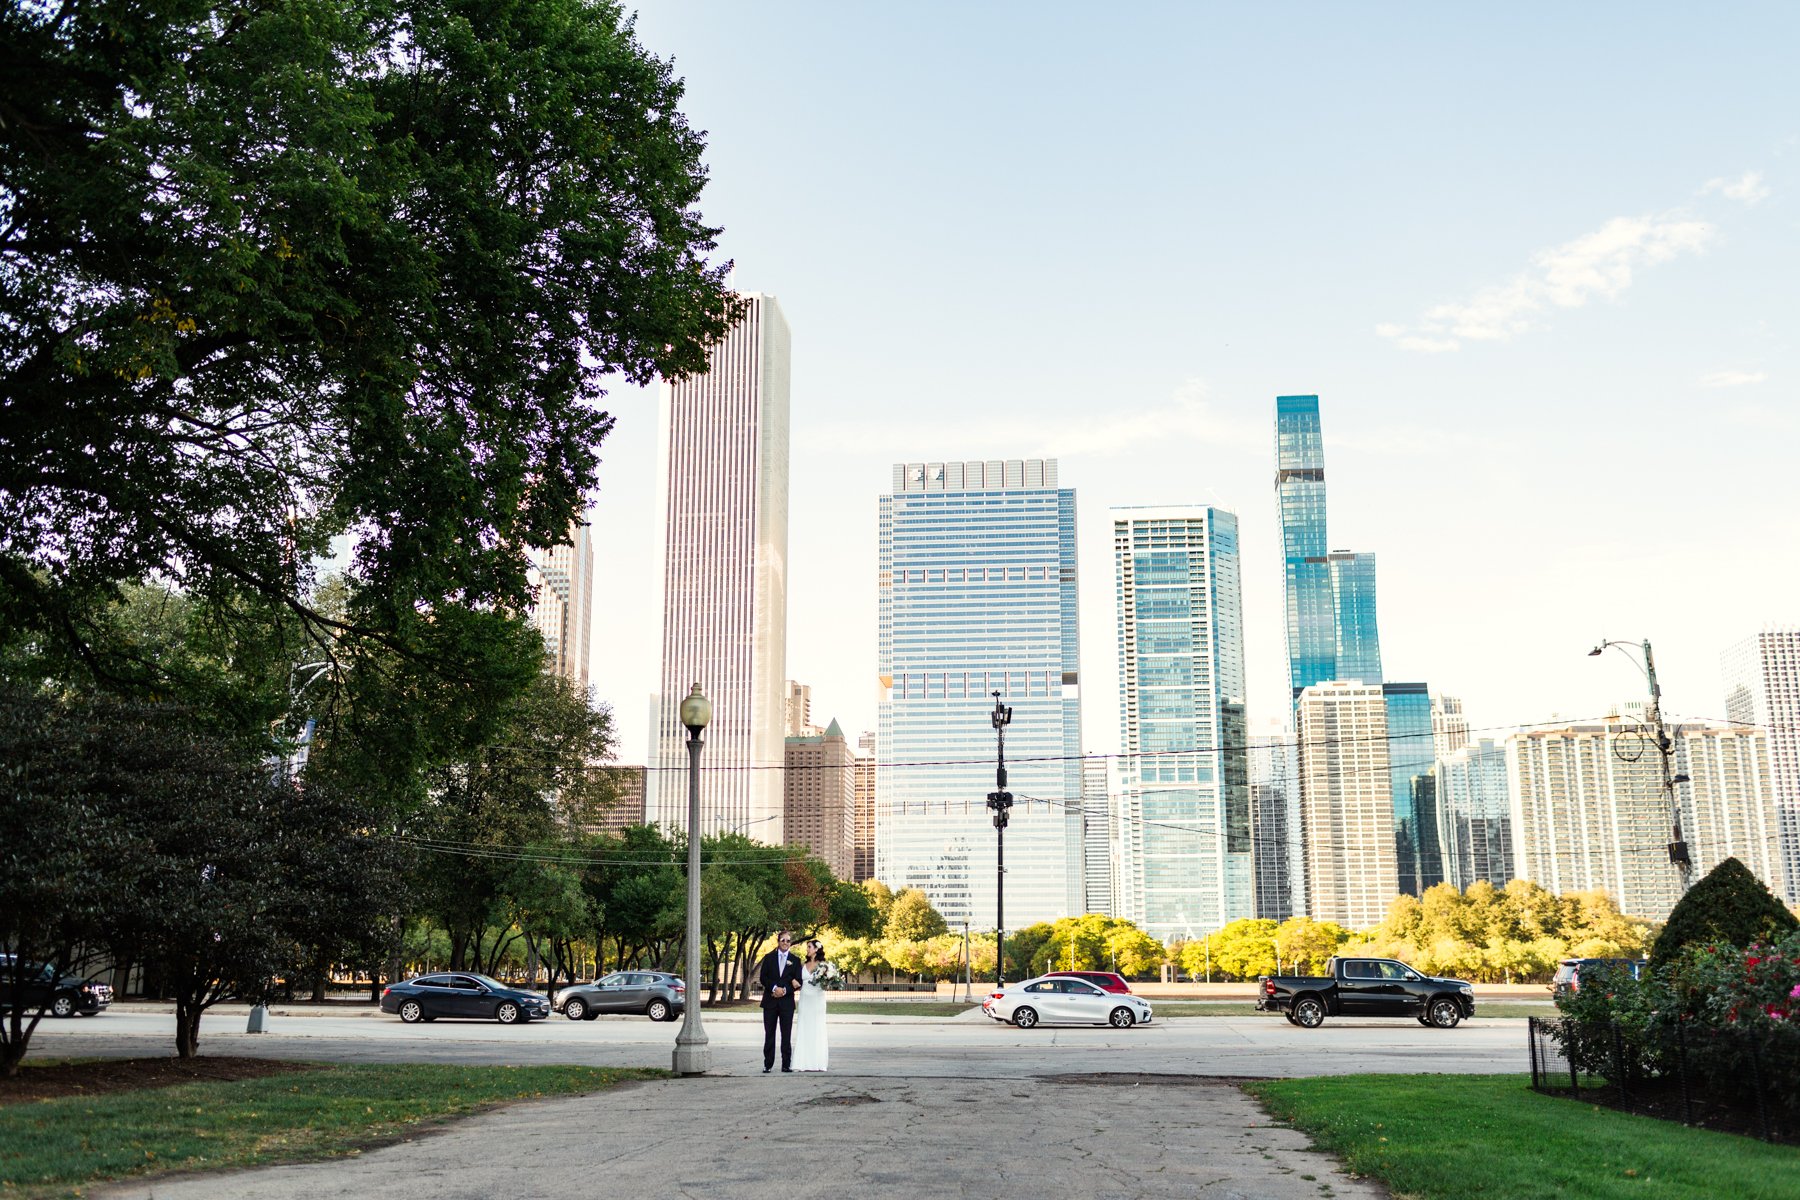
x=1665, y=755
x=1000, y=802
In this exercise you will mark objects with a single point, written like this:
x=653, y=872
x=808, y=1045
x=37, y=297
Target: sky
x=1538, y=262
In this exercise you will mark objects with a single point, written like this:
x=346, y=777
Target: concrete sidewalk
x=824, y=1137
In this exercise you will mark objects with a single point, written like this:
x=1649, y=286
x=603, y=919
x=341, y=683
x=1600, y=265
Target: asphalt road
x=910, y=1047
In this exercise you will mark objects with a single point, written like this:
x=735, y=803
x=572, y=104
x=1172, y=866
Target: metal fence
x=1736, y=1081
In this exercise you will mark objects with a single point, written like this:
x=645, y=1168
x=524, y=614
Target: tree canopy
x=274, y=274
x=1730, y=906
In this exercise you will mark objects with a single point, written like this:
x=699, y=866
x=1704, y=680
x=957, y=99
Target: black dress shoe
x=787, y=1070
x=766, y=1070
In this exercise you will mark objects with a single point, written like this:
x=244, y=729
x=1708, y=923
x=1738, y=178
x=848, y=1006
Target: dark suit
x=778, y=1011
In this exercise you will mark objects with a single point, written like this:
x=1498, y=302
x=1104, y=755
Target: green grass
x=1438, y=1137
x=899, y=1008
x=53, y=1147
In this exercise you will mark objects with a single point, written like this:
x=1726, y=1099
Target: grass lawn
x=52, y=1147
x=1438, y=1137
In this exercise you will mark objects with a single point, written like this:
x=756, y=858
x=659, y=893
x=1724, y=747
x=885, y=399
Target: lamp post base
x=692, y=1058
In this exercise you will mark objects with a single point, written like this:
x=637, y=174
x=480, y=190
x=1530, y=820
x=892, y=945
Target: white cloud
x=1598, y=264
x=1726, y=379
x=1748, y=187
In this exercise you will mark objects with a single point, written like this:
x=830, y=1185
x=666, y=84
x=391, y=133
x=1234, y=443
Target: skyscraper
x=976, y=595
x=1275, y=826
x=1476, y=813
x=820, y=798
x=1347, y=803
x=1418, y=856
x=1332, y=631
x=723, y=493
x=1183, y=811
x=1589, y=810
x=863, y=828
x=1762, y=688
x=563, y=611
x=1097, y=835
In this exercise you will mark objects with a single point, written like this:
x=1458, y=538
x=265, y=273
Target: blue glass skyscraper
x=1184, y=844
x=976, y=595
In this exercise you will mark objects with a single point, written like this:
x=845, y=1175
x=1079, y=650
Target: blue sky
x=1539, y=265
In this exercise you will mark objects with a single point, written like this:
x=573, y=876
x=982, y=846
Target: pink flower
x=1795, y=994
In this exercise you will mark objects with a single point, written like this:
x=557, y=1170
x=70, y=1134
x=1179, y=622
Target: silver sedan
x=1054, y=1000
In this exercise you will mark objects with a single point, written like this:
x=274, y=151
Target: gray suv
x=657, y=994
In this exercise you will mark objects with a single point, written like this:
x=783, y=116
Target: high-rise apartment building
x=820, y=798
x=1332, y=631
x=1476, y=813
x=1183, y=811
x=627, y=807
x=1589, y=811
x=723, y=494
x=1411, y=759
x=797, y=705
x=1275, y=826
x=1097, y=835
x=564, y=609
x=1762, y=688
x=862, y=863
x=976, y=594
x=1347, y=803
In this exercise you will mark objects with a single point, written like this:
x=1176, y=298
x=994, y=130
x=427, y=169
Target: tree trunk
x=187, y=1027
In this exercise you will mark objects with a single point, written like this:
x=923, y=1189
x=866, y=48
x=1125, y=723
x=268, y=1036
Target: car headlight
x=1466, y=990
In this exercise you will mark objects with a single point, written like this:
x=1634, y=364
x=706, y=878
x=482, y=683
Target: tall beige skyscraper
x=723, y=493
x=1347, y=803
x=563, y=612
x=821, y=798
x=863, y=859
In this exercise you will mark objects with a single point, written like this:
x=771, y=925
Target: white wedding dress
x=811, y=1048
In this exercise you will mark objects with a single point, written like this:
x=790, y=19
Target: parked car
x=38, y=987
x=657, y=994
x=1570, y=970
x=1106, y=981
x=428, y=997
x=1062, y=1000
x=1366, y=987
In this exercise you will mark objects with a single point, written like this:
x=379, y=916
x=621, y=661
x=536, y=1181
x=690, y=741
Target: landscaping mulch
x=96, y=1077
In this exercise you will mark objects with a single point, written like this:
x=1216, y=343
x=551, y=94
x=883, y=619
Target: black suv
x=1570, y=970
x=35, y=987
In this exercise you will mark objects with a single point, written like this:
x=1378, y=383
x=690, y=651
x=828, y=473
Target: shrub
x=1729, y=907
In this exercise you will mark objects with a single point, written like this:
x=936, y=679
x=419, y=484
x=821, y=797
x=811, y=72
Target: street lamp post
x=1665, y=751
x=691, y=1055
x=1000, y=801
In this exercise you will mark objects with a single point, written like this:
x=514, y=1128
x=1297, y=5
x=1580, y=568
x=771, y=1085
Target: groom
x=780, y=973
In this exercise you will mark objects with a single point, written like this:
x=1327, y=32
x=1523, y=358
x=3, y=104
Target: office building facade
x=1275, y=826
x=563, y=611
x=1097, y=835
x=1762, y=689
x=862, y=858
x=1476, y=813
x=723, y=496
x=1185, y=866
x=976, y=595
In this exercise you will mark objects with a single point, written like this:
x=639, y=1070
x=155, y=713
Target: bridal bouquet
x=825, y=975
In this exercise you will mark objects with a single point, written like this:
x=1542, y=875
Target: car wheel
x=508, y=1013
x=1424, y=1020
x=410, y=1011
x=1121, y=1018
x=575, y=1010
x=62, y=1006
x=1309, y=1012
x=657, y=1010
x=1445, y=1012
x=1025, y=1017
x=1289, y=1018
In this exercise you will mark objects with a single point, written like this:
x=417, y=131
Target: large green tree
x=271, y=274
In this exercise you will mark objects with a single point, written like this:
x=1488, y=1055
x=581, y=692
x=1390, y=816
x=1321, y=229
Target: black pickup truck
x=1366, y=987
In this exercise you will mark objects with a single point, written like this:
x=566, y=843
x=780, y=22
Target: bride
x=811, y=1049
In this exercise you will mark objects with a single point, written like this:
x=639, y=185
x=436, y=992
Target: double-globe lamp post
x=1665, y=750
x=691, y=1054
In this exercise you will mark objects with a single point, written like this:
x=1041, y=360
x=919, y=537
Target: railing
x=1732, y=1080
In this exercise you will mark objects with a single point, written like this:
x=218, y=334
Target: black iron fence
x=1734, y=1080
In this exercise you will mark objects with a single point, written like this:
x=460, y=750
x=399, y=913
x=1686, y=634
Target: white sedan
x=1060, y=1000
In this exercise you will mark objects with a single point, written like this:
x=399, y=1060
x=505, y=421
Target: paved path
x=826, y=1137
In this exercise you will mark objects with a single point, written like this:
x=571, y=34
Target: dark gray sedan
x=428, y=997
x=657, y=994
